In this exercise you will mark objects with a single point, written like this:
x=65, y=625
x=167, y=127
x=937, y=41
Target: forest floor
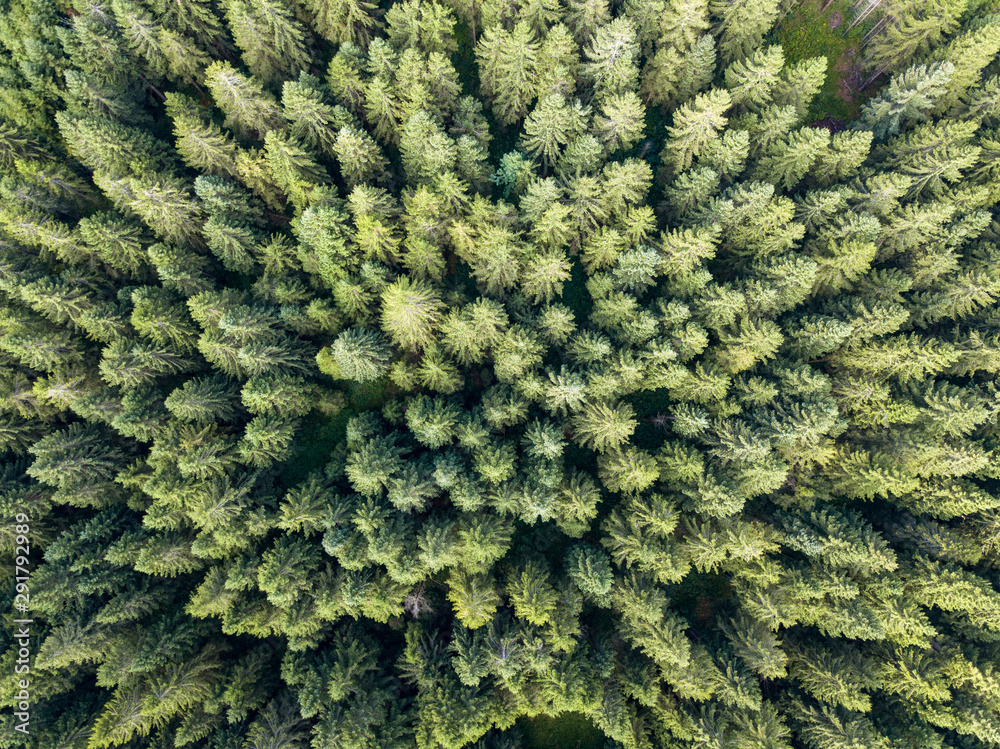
x=819, y=28
x=567, y=731
x=321, y=433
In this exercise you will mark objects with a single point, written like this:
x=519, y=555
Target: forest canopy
x=386, y=375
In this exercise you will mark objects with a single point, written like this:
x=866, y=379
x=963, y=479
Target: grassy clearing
x=809, y=31
x=567, y=731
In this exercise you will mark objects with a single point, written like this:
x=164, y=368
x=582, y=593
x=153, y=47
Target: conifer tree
x=423, y=25
x=910, y=97
x=970, y=52
x=232, y=230
x=671, y=76
x=248, y=108
x=359, y=157
x=425, y=148
x=621, y=122
x=357, y=376
x=912, y=29
x=201, y=144
x=604, y=426
x=792, y=159
x=695, y=125
x=310, y=116
x=584, y=17
x=611, y=59
x=474, y=598
x=411, y=311
x=750, y=81
x=357, y=354
x=167, y=204
x=551, y=125
x=293, y=169
x=800, y=83
x=508, y=67
x=350, y=21
x=204, y=400
x=272, y=41
x=742, y=24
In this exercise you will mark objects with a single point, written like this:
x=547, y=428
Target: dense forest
x=395, y=375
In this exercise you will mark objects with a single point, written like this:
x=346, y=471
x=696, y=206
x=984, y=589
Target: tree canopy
x=381, y=375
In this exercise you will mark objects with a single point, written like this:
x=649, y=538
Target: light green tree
x=508, y=70
x=532, y=594
x=604, y=426
x=909, y=98
x=273, y=42
x=551, y=125
x=800, y=83
x=695, y=125
x=359, y=156
x=411, y=312
x=621, y=122
x=474, y=598
x=742, y=25
x=612, y=59
x=248, y=108
x=751, y=81
x=544, y=275
x=357, y=354
x=912, y=28
x=200, y=142
x=293, y=168
x=426, y=150
x=792, y=159
x=421, y=24
x=310, y=117
x=585, y=16
x=340, y=21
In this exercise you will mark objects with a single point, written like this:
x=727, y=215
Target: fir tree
x=272, y=41
x=742, y=24
x=201, y=144
x=508, y=67
x=411, y=310
x=551, y=125
x=611, y=59
x=248, y=108
x=352, y=21
x=695, y=125
x=310, y=116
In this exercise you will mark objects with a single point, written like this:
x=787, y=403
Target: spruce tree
x=508, y=67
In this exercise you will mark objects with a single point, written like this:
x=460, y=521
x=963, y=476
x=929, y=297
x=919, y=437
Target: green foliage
x=357, y=354
x=272, y=41
x=345, y=21
x=742, y=25
x=427, y=375
x=411, y=310
x=508, y=63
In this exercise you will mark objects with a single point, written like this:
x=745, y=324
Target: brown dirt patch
x=849, y=75
x=830, y=123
